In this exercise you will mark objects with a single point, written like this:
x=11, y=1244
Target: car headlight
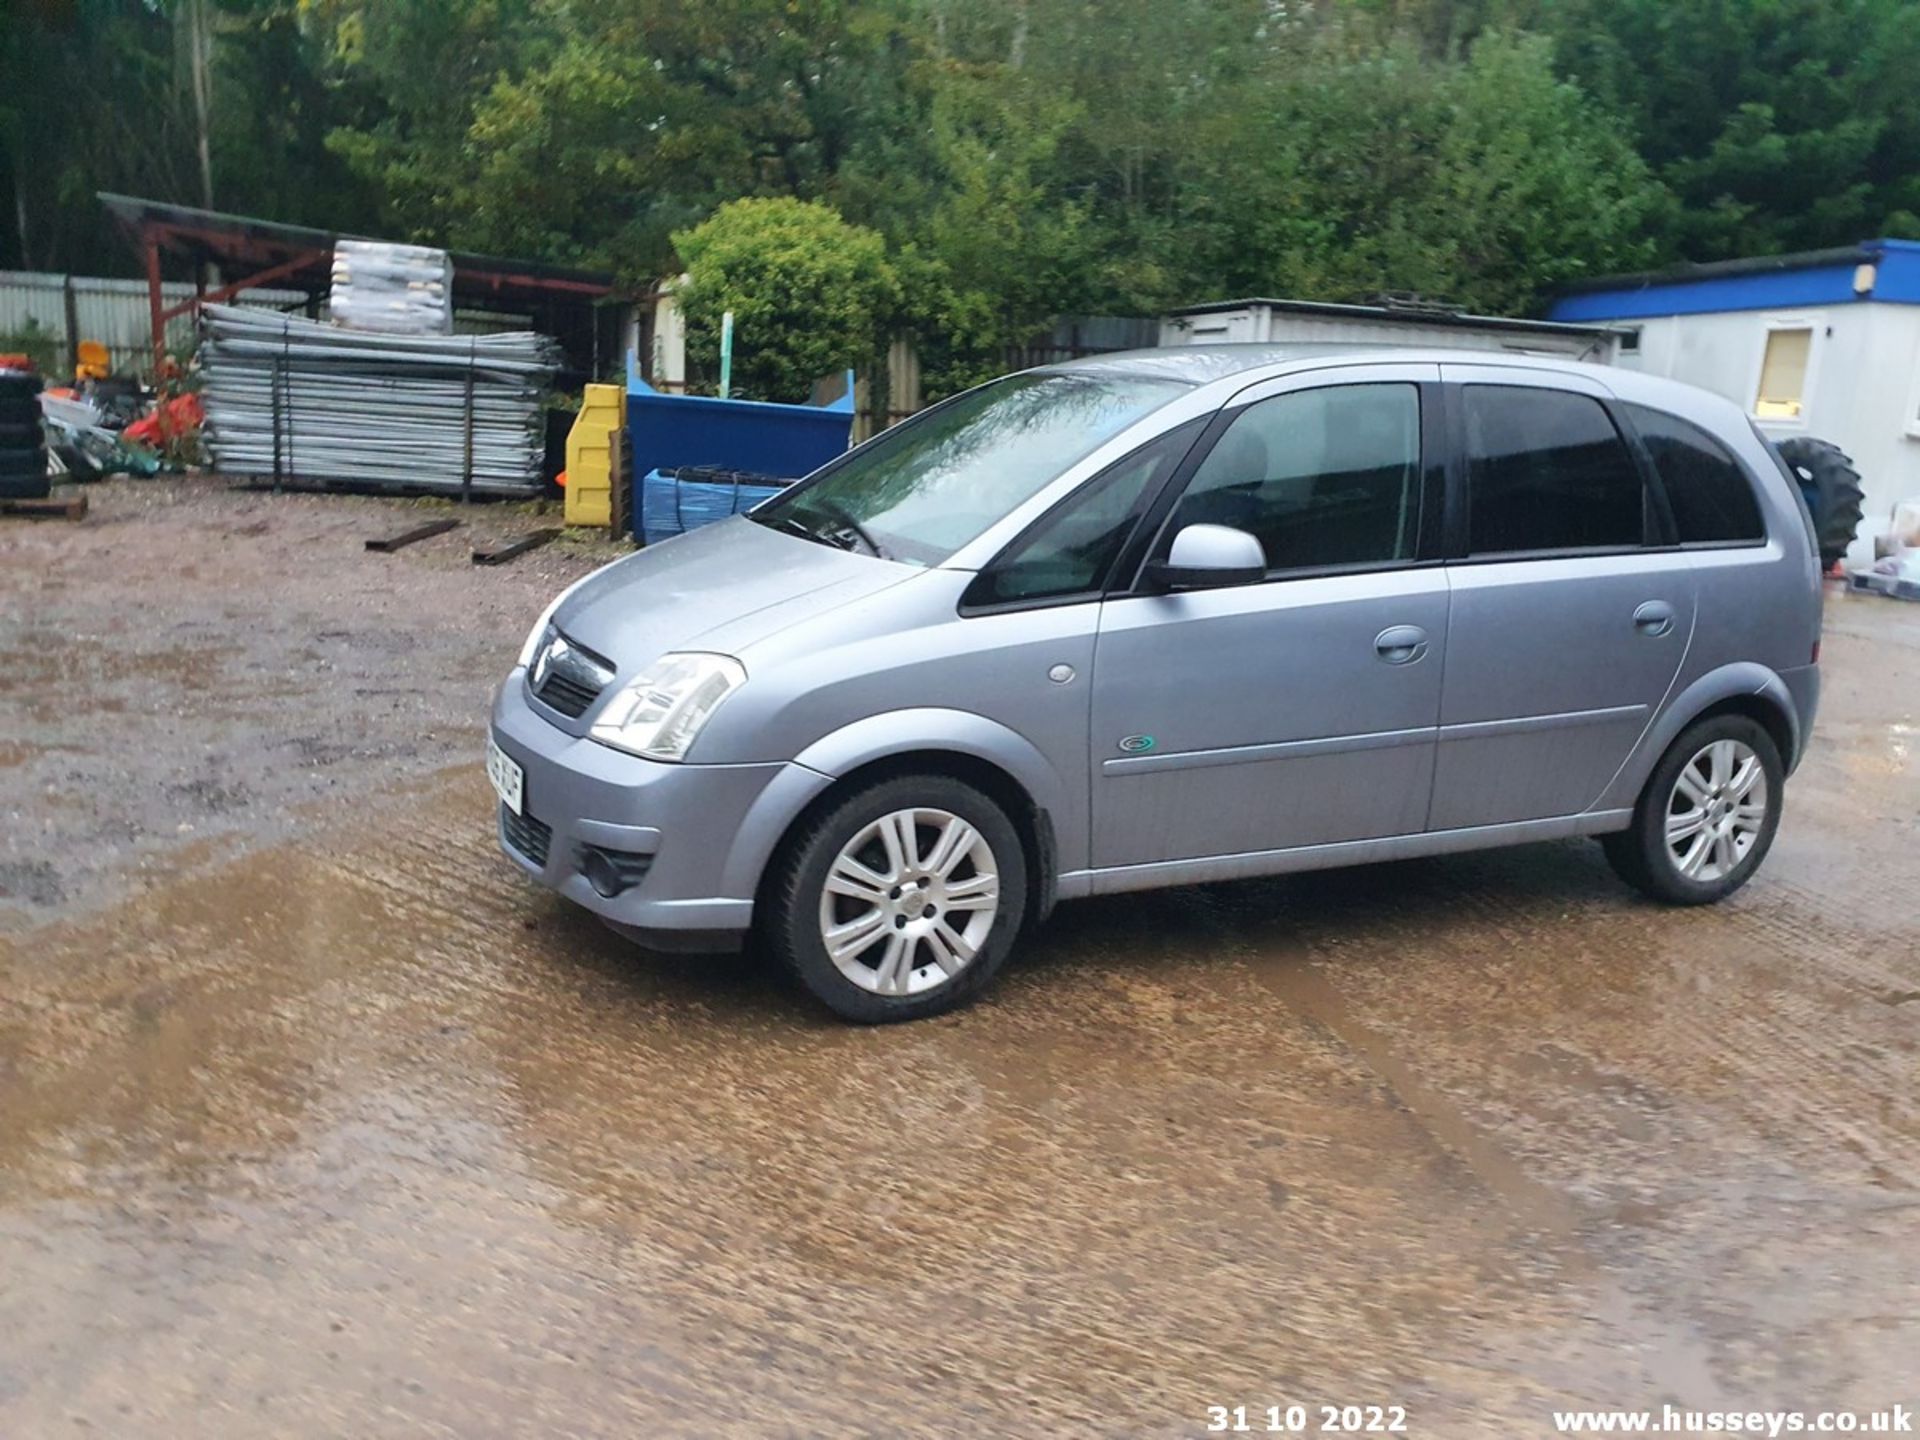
x=539, y=632
x=657, y=714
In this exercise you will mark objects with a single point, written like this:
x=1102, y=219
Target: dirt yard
x=315, y=1119
x=192, y=670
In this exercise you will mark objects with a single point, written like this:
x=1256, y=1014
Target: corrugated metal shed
x=114, y=312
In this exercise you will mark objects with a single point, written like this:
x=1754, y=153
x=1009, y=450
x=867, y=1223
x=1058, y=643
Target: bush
x=36, y=342
x=810, y=294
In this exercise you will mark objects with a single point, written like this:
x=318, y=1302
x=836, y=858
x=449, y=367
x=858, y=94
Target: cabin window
x=1783, y=373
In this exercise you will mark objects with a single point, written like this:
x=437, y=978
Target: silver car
x=1168, y=617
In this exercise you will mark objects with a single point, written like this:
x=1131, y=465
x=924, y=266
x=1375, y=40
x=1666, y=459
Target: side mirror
x=1207, y=557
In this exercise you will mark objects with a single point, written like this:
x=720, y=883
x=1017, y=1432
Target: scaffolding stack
x=309, y=403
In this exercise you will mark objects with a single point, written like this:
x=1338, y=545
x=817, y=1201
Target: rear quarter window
x=1708, y=489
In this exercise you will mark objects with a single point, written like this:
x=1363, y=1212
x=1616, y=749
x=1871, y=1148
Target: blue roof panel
x=1784, y=290
x=1898, y=279
x=1824, y=278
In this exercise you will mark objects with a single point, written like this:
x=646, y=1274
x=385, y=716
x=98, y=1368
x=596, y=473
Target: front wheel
x=1707, y=815
x=900, y=901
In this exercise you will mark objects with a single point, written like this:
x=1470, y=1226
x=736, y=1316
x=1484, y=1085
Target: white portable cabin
x=1823, y=343
x=1311, y=322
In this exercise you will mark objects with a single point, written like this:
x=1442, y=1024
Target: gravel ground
x=317, y=1119
x=192, y=668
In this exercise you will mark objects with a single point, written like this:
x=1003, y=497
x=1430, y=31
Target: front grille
x=567, y=677
x=567, y=695
x=526, y=835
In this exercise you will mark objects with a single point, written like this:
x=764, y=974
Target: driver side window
x=1069, y=550
x=1321, y=477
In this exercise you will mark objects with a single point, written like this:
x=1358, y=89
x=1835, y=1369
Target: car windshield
x=923, y=489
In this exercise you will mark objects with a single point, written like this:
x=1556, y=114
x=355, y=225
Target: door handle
x=1654, y=619
x=1400, y=644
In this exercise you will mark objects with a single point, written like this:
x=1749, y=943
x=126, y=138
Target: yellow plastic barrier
x=590, y=456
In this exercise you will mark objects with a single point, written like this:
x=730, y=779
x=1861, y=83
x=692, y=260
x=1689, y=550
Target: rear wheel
x=1707, y=816
x=901, y=901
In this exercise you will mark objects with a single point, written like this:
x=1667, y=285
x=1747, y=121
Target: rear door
x=1572, y=609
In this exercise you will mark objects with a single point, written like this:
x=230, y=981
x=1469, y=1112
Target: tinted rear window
x=1712, y=498
x=1547, y=471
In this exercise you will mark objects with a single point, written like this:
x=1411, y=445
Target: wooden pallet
x=65, y=507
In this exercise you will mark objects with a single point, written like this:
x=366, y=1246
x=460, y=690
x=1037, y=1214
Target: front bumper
x=701, y=833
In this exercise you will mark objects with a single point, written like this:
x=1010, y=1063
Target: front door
x=1301, y=710
x=1570, y=617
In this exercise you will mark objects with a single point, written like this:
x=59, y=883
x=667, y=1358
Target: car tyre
x=899, y=901
x=1707, y=816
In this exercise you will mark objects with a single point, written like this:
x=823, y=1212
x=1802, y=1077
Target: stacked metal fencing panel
x=311, y=403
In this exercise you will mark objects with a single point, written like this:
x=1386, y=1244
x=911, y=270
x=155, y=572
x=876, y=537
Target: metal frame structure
x=563, y=300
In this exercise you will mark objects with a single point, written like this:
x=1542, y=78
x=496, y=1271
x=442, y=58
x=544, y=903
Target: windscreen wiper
x=854, y=527
x=795, y=526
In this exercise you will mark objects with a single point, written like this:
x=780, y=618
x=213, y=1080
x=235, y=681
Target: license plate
x=509, y=780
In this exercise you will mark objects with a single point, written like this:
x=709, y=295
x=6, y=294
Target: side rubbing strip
x=1124, y=765
x=1567, y=720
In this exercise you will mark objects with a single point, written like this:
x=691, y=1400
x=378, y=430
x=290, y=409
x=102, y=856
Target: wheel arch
x=998, y=761
x=1775, y=719
x=1746, y=689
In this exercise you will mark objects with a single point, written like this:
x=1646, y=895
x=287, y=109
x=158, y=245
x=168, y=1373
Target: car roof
x=1204, y=364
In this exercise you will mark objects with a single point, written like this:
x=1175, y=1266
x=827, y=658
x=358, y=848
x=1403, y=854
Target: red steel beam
x=156, y=301
x=499, y=279
x=260, y=277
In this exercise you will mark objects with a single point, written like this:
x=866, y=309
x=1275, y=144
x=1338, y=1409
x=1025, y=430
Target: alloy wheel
x=1716, y=811
x=909, y=901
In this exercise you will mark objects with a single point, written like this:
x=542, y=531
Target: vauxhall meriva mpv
x=1169, y=617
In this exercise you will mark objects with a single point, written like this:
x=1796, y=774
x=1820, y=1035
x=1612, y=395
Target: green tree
x=595, y=158
x=406, y=76
x=1358, y=170
x=996, y=248
x=272, y=107
x=1022, y=158
x=90, y=99
x=810, y=294
x=1532, y=184
x=100, y=95
x=1777, y=124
